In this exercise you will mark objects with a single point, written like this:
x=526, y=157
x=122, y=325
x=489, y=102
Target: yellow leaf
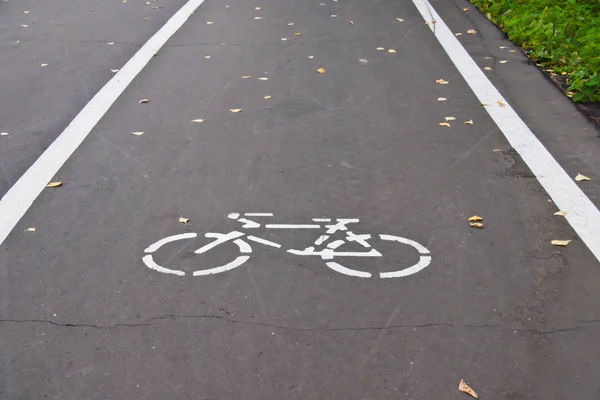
x=198, y=121
x=351, y=22
x=44, y=65
x=380, y=49
x=246, y=76
x=466, y=9
x=143, y=101
x=580, y=178
x=487, y=68
x=321, y=70
x=442, y=99
x=257, y=17
x=267, y=97
x=441, y=82
x=458, y=34
x=485, y=105
x=114, y=70
x=235, y=110
x=110, y=43
x=146, y=19
x=263, y=78
x=54, y=184
x=209, y=22
x=184, y=220
x=471, y=31
x=514, y=51
x=257, y=8
x=444, y=124
x=497, y=150
x=469, y=122
x=208, y=57
x=26, y=12
x=391, y=51
x=311, y=57
x=560, y=213
x=501, y=104
x=298, y=34
x=137, y=133
x=475, y=218
x=563, y=243
x=399, y=20
x=463, y=387
x=30, y=229
x=290, y=24
x=477, y=225
x=4, y=134
x=449, y=118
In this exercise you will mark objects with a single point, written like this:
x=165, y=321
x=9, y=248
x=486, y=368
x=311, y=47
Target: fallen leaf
x=208, y=57
x=488, y=58
x=198, y=121
x=333, y=16
x=563, y=243
x=54, y=184
x=110, y=43
x=487, y=68
x=458, y=34
x=444, y=124
x=263, y=78
x=391, y=51
x=209, y=22
x=311, y=57
x=471, y=31
x=184, y=220
x=512, y=51
x=114, y=70
x=475, y=218
x=137, y=133
x=501, y=104
x=235, y=110
x=580, y=178
x=503, y=62
x=504, y=47
x=298, y=34
x=290, y=24
x=257, y=8
x=478, y=225
x=267, y=97
x=227, y=6
x=257, y=17
x=24, y=26
x=466, y=9
x=449, y=118
x=44, y=65
x=497, y=150
x=146, y=19
x=485, y=104
x=549, y=200
x=4, y=134
x=143, y=101
x=469, y=122
x=399, y=20
x=246, y=77
x=380, y=49
x=463, y=387
x=321, y=70
x=441, y=82
x=284, y=39
x=351, y=22
x=30, y=229
x=26, y=12
x=442, y=99
x=560, y=213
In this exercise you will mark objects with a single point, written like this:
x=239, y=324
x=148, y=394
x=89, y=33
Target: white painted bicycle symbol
x=328, y=252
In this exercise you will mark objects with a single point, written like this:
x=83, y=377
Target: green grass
x=562, y=35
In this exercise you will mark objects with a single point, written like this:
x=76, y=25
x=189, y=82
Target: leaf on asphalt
x=198, y=121
x=257, y=8
x=469, y=122
x=444, y=124
x=246, y=77
x=263, y=78
x=44, y=65
x=4, y=134
x=504, y=47
x=26, y=12
x=208, y=57
x=380, y=49
x=311, y=57
x=563, y=243
x=184, y=220
x=442, y=99
x=487, y=68
x=441, y=82
x=143, y=101
x=24, y=26
x=466, y=9
x=391, y=51
x=114, y=70
x=54, y=184
x=503, y=62
x=284, y=39
x=209, y=22
x=31, y=229
x=290, y=24
x=267, y=97
x=501, y=104
x=137, y=133
x=512, y=51
x=471, y=31
x=497, y=150
x=235, y=110
x=227, y=6
x=321, y=70
x=560, y=213
x=475, y=218
x=399, y=20
x=580, y=178
x=333, y=16
x=485, y=104
x=458, y=34
x=257, y=17
x=463, y=387
x=351, y=22
x=110, y=43
x=146, y=19
x=298, y=34
x=477, y=225
x=449, y=118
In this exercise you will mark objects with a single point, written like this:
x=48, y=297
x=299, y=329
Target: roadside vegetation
x=561, y=36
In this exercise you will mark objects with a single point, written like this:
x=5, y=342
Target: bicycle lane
x=497, y=307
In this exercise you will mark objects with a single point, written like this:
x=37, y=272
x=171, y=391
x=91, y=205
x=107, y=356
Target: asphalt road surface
x=360, y=277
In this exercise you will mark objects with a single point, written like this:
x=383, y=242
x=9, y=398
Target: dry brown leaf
x=475, y=218
x=208, y=57
x=246, y=77
x=31, y=229
x=311, y=57
x=442, y=99
x=580, y=178
x=184, y=220
x=143, y=101
x=321, y=70
x=290, y=24
x=549, y=200
x=380, y=48
x=137, y=133
x=469, y=122
x=463, y=387
x=458, y=34
x=146, y=19
x=471, y=31
x=444, y=124
x=26, y=12
x=391, y=51
x=497, y=150
x=235, y=110
x=501, y=104
x=257, y=8
x=198, y=121
x=114, y=70
x=466, y=9
x=441, y=82
x=298, y=34
x=477, y=225
x=263, y=78
x=487, y=68
x=399, y=20
x=563, y=243
x=267, y=97
x=485, y=104
x=449, y=118
x=351, y=22
x=54, y=184
x=560, y=213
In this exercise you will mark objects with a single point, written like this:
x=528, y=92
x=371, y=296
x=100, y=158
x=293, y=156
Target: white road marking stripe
x=347, y=271
x=23, y=193
x=155, y=246
x=149, y=261
x=263, y=241
x=291, y=226
x=583, y=216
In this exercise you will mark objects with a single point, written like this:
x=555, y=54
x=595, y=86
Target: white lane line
x=23, y=193
x=583, y=216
